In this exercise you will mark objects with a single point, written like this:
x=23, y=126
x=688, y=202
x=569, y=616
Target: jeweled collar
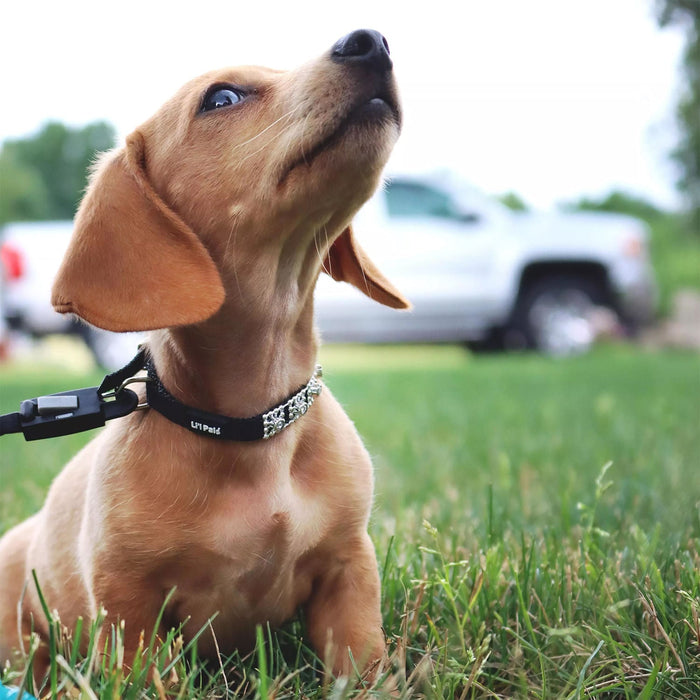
x=261, y=427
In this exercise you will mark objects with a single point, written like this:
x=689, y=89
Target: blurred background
x=534, y=420
x=545, y=187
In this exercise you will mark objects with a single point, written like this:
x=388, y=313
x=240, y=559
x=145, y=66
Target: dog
x=209, y=228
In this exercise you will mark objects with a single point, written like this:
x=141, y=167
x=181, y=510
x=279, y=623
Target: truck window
x=413, y=200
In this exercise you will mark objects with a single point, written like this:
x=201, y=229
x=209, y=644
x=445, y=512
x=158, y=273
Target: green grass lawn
x=537, y=525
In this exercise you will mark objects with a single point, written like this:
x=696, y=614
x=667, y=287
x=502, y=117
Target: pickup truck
x=479, y=273
x=475, y=271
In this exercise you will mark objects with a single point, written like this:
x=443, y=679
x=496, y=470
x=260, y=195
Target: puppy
x=210, y=228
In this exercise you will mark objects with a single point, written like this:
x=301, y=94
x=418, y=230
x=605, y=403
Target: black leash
x=84, y=409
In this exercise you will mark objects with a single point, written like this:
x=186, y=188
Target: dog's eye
x=220, y=97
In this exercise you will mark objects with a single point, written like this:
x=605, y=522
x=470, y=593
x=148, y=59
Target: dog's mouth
x=381, y=109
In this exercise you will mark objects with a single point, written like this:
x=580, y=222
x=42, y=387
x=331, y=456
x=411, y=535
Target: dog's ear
x=132, y=263
x=347, y=262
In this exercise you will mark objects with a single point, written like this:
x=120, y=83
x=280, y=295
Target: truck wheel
x=553, y=315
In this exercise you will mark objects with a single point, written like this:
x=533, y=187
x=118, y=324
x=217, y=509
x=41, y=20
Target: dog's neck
x=257, y=349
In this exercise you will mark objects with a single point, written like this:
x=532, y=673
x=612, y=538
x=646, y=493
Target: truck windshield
x=410, y=199
x=417, y=200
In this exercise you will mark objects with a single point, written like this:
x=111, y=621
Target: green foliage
x=44, y=176
x=618, y=202
x=687, y=153
x=23, y=196
x=514, y=201
x=536, y=524
x=675, y=254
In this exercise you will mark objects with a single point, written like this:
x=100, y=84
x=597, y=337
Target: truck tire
x=553, y=315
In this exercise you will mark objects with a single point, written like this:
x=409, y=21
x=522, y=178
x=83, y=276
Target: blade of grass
x=53, y=669
x=263, y=681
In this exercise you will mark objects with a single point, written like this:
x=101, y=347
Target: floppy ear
x=347, y=262
x=132, y=263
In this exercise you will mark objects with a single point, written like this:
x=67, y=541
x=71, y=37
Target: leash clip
x=113, y=393
x=75, y=411
x=72, y=412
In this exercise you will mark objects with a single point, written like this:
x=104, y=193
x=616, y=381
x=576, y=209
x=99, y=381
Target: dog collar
x=84, y=409
x=261, y=427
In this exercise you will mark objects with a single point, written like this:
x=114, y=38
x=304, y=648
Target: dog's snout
x=363, y=47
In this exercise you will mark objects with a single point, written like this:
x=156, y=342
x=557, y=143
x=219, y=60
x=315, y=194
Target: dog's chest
x=252, y=558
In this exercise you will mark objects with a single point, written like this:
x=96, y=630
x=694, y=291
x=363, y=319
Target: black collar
x=84, y=409
x=261, y=427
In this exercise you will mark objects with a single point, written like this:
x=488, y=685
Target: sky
x=552, y=99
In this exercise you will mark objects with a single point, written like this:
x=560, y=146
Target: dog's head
x=243, y=169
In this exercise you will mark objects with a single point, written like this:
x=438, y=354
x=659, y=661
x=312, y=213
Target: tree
x=514, y=201
x=43, y=176
x=687, y=154
x=23, y=196
x=618, y=202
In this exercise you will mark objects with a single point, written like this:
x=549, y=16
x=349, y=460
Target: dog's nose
x=363, y=47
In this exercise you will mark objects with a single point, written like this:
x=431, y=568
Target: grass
x=537, y=526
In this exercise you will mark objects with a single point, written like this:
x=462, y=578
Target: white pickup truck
x=480, y=273
x=475, y=272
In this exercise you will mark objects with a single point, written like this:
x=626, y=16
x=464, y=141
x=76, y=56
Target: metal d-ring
x=131, y=380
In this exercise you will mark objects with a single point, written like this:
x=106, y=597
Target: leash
x=79, y=410
x=75, y=411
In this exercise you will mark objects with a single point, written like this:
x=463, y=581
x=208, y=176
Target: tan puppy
x=214, y=223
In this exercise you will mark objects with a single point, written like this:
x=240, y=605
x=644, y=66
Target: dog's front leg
x=343, y=614
x=136, y=607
